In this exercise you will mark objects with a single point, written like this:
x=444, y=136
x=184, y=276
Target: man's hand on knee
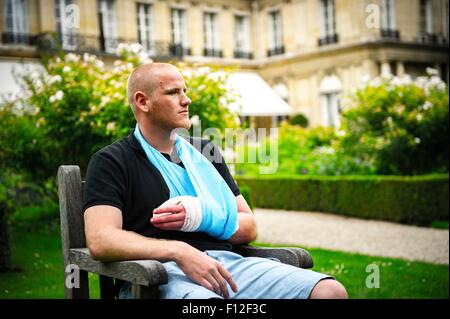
x=206, y=271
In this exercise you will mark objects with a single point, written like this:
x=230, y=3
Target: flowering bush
x=75, y=104
x=399, y=125
x=395, y=126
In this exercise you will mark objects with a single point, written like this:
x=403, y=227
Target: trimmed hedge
x=415, y=200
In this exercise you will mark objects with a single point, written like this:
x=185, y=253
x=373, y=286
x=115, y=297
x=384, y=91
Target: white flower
x=435, y=80
x=54, y=79
x=121, y=48
x=340, y=133
x=325, y=150
x=204, y=70
x=72, y=58
x=99, y=64
x=375, y=82
x=111, y=126
x=417, y=140
x=52, y=99
x=419, y=117
x=421, y=81
x=396, y=81
x=432, y=71
x=135, y=48
x=144, y=58
x=427, y=105
x=59, y=95
x=66, y=69
x=105, y=100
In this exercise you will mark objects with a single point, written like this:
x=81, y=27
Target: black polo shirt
x=121, y=175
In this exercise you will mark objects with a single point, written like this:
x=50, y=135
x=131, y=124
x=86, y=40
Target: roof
x=255, y=97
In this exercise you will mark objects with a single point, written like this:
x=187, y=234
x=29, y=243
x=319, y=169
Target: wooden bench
x=144, y=275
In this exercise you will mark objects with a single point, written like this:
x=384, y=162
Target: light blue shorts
x=256, y=278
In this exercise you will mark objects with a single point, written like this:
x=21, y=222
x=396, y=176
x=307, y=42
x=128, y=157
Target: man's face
x=169, y=102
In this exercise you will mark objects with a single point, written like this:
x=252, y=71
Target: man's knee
x=329, y=289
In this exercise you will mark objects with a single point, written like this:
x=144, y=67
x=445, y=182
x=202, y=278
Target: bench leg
x=144, y=292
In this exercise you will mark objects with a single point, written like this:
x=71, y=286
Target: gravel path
x=368, y=237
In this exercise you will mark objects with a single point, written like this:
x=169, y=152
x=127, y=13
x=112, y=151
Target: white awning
x=8, y=84
x=255, y=97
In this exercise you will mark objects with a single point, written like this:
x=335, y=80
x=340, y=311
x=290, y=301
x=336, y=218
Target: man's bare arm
x=247, y=224
x=107, y=241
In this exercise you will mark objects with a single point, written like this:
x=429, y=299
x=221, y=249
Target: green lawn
x=398, y=278
x=38, y=254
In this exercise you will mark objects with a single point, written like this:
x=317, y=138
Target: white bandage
x=193, y=208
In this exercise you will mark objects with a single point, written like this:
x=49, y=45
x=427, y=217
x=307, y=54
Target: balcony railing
x=275, y=51
x=177, y=50
x=18, y=38
x=328, y=39
x=427, y=38
x=243, y=55
x=212, y=52
x=389, y=34
x=92, y=44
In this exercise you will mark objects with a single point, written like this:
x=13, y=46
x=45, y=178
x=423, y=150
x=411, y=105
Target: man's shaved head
x=145, y=78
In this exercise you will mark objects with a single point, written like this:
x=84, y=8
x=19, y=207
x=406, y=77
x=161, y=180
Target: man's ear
x=141, y=101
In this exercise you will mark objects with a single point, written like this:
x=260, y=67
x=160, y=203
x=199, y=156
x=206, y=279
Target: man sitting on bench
x=153, y=195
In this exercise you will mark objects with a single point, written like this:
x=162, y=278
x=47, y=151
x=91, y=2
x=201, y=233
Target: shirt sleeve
x=105, y=182
x=212, y=152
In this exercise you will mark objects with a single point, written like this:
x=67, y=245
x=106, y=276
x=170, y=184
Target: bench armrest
x=297, y=257
x=138, y=272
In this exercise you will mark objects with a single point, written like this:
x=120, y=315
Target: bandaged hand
x=182, y=213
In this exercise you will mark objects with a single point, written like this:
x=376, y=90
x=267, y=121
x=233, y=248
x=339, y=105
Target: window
x=426, y=23
x=242, y=37
x=179, y=32
x=330, y=109
x=16, y=22
x=388, y=19
x=426, y=14
x=212, y=42
x=330, y=90
x=275, y=34
x=445, y=19
x=108, y=25
x=145, y=26
x=327, y=23
x=66, y=33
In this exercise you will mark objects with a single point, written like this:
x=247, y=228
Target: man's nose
x=185, y=100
